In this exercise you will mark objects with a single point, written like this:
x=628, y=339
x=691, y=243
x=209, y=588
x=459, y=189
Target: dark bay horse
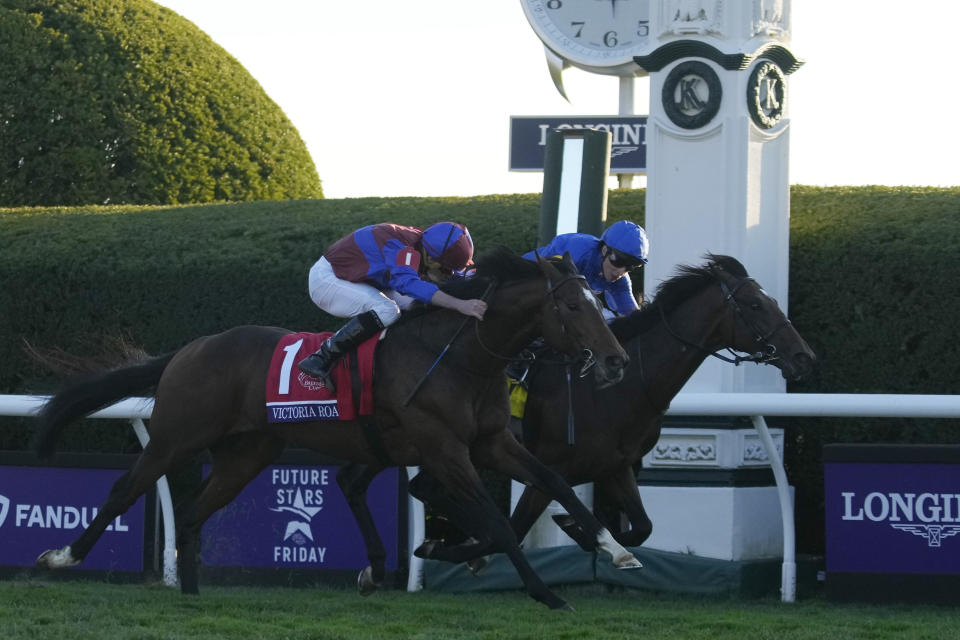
x=693, y=315
x=210, y=395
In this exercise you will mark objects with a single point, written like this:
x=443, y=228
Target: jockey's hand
x=475, y=308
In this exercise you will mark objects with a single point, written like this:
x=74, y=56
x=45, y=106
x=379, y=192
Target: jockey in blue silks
x=372, y=273
x=605, y=261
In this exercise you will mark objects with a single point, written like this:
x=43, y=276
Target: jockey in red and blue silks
x=605, y=262
x=370, y=274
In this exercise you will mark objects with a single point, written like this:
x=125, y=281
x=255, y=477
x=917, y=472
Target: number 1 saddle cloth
x=293, y=396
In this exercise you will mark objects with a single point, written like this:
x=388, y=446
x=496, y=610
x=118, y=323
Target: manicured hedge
x=124, y=101
x=873, y=288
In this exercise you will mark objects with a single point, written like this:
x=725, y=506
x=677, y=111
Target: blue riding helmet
x=450, y=244
x=628, y=241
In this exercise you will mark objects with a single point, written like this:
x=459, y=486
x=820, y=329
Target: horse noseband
x=768, y=353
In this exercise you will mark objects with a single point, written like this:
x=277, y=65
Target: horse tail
x=90, y=394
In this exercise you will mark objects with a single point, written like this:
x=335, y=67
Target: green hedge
x=124, y=101
x=872, y=288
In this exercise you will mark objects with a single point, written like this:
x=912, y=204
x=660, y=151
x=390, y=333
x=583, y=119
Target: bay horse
x=696, y=313
x=210, y=395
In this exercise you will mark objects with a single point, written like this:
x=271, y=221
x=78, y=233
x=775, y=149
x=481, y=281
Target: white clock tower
x=717, y=138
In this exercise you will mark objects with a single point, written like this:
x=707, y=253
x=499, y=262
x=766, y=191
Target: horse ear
x=547, y=268
x=567, y=260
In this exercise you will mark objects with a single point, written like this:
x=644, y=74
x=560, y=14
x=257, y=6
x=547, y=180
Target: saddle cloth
x=293, y=396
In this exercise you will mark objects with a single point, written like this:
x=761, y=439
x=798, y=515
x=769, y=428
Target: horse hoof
x=627, y=561
x=425, y=550
x=560, y=605
x=365, y=582
x=477, y=565
x=57, y=559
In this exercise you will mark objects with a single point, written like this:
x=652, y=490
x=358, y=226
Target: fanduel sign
x=48, y=507
x=892, y=518
x=628, y=140
x=296, y=516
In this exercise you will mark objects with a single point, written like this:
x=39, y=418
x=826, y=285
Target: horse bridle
x=588, y=359
x=768, y=351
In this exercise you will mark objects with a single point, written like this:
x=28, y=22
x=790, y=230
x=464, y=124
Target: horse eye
x=573, y=306
x=755, y=306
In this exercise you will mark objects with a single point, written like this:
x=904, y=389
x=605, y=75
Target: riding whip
x=443, y=352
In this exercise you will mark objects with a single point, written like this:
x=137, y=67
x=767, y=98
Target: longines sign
x=628, y=146
x=892, y=518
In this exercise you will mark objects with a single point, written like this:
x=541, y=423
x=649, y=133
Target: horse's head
x=756, y=325
x=573, y=323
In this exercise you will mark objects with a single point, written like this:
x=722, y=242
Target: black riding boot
x=347, y=338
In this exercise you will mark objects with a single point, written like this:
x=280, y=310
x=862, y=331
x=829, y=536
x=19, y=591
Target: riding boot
x=347, y=338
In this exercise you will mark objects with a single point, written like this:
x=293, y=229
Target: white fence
x=755, y=405
x=134, y=410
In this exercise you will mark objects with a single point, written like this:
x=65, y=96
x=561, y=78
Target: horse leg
x=425, y=488
x=621, y=489
x=354, y=479
x=153, y=462
x=503, y=453
x=234, y=463
x=455, y=472
x=531, y=504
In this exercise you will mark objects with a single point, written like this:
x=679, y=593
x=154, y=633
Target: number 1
x=287, y=365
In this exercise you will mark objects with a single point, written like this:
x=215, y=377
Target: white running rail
x=134, y=410
x=754, y=405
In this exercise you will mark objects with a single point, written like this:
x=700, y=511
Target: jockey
x=605, y=261
x=370, y=274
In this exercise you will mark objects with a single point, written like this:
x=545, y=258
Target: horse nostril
x=803, y=363
x=616, y=363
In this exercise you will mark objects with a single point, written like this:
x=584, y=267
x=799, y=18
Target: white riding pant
x=346, y=299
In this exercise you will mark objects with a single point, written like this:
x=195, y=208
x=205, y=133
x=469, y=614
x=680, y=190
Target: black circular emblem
x=766, y=93
x=691, y=94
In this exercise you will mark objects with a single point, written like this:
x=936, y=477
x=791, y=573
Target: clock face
x=592, y=33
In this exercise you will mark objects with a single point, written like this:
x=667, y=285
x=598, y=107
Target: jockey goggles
x=621, y=260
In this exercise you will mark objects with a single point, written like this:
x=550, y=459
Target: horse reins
x=587, y=359
x=490, y=287
x=768, y=352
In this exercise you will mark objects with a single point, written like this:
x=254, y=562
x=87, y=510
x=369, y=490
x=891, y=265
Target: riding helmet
x=628, y=240
x=450, y=244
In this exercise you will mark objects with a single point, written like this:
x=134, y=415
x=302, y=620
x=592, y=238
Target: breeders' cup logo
x=309, y=382
x=4, y=508
x=927, y=515
x=299, y=493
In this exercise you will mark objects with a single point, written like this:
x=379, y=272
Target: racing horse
x=210, y=395
x=694, y=315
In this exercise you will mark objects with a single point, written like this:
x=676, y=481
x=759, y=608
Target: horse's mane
x=689, y=281
x=500, y=264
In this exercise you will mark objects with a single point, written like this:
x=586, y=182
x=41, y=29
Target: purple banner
x=296, y=516
x=48, y=507
x=892, y=518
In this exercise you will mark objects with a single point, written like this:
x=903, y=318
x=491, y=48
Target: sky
x=414, y=98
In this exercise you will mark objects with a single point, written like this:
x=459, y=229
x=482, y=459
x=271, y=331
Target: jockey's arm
x=474, y=308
